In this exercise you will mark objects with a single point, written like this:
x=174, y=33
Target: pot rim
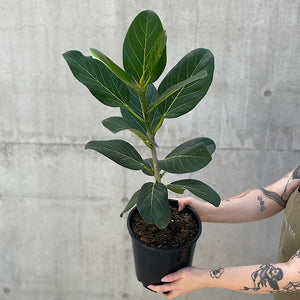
x=187, y=245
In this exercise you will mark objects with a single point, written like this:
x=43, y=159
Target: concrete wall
x=61, y=237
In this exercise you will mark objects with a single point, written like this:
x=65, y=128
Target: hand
x=181, y=282
x=182, y=202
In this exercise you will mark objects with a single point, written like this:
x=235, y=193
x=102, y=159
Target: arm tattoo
x=274, y=196
x=290, y=287
x=295, y=175
x=261, y=202
x=265, y=275
x=216, y=273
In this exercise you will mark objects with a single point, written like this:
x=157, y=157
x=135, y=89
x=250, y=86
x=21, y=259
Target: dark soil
x=181, y=229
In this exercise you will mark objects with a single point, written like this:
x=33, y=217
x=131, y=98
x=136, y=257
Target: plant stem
x=155, y=166
x=151, y=136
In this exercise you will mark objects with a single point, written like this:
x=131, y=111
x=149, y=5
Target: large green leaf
x=120, y=73
x=152, y=201
x=144, y=47
x=101, y=82
x=186, y=98
x=186, y=159
x=119, y=151
x=132, y=202
x=198, y=188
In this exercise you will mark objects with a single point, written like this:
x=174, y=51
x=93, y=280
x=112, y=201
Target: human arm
x=249, y=206
x=260, y=279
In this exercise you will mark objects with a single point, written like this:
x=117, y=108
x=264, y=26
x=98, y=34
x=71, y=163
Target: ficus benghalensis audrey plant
x=144, y=109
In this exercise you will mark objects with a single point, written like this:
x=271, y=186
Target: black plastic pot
x=152, y=264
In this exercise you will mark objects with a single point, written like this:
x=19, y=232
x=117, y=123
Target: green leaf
x=209, y=144
x=132, y=202
x=164, y=221
x=181, y=84
x=198, y=188
x=157, y=61
x=144, y=47
x=119, y=151
x=186, y=98
x=175, y=189
x=148, y=163
x=154, y=115
x=101, y=82
x=186, y=159
x=117, y=124
x=152, y=201
x=120, y=73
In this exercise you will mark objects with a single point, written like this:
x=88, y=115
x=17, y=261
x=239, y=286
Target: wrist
x=204, y=210
x=199, y=278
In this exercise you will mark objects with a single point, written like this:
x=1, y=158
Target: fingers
x=173, y=276
x=182, y=202
x=169, y=285
x=166, y=290
x=171, y=295
x=181, y=205
x=161, y=288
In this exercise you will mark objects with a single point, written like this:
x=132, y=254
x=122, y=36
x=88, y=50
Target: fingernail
x=163, y=279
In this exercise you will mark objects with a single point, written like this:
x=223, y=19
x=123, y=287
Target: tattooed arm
x=249, y=206
x=260, y=279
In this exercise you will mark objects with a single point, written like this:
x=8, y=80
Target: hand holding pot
x=198, y=206
x=181, y=282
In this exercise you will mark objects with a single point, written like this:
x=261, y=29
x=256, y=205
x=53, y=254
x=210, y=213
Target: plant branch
x=151, y=136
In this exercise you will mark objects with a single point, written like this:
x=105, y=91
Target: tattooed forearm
x=266, y=275
x=216, y=273
x=274, y=196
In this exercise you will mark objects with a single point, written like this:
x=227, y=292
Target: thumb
x=181, y=203
x=172, y=277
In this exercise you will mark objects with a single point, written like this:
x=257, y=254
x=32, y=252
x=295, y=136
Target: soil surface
x=181, y=229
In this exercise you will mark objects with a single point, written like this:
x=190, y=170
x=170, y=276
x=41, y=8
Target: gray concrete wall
x=61, y=237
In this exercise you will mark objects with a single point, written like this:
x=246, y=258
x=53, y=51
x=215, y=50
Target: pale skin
x=249, y=206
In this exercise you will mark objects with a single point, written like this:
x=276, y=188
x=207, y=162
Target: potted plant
x=143, y=110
